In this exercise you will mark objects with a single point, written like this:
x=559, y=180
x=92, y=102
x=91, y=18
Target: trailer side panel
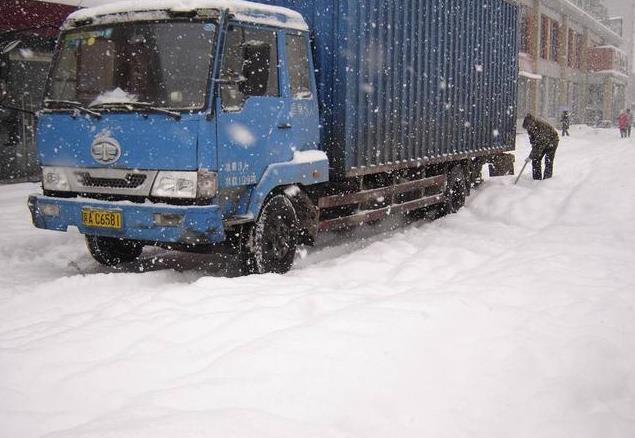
x=414, y=81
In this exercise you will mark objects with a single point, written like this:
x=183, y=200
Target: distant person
x=624, y=122
x=566, y=123
x=544, y=143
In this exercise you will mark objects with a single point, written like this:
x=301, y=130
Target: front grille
x=130, y=181
x=126, y=182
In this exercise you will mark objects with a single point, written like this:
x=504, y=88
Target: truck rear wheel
x=111, y=251
x=270, y=244
x=456, y=190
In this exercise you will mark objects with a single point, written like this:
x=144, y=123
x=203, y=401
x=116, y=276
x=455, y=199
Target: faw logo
x=105, y=150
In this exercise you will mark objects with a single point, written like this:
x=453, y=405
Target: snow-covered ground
x=513, y=318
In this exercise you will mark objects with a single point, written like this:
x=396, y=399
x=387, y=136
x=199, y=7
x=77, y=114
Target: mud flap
x=502, y=165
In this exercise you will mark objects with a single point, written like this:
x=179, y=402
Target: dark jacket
x=565, y=120
x=542, y=136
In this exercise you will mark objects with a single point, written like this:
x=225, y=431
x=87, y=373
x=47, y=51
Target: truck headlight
x=175, y=185
x=186, y=185
x=54, y=179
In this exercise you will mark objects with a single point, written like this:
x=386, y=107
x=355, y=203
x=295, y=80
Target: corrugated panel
x=412, y=80
x=427, y=79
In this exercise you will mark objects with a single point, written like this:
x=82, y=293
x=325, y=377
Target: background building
x=570, y=59
x=28, y=30
x=623, y=12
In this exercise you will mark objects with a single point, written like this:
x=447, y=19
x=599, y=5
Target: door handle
x=284, y=125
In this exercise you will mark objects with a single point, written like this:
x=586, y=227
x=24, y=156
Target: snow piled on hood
x=513, y=318
x=115, y=96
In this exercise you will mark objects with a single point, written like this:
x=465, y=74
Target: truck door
x=250, y=108
x=302, y=123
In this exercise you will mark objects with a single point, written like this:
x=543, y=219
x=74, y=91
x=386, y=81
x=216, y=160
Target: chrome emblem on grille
x=105, y=149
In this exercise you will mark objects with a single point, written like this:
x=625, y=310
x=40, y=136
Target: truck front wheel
x=270, y=244
x=112, y=251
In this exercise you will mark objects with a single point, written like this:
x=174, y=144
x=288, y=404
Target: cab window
x=250, y=66
x=298, y=60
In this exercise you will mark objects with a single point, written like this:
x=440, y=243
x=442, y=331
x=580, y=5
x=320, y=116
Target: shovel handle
x=522, y=171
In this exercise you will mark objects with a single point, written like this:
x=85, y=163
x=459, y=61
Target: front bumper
x=200, y=224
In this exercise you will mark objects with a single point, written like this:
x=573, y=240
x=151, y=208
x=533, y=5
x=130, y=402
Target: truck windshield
x=165, y=64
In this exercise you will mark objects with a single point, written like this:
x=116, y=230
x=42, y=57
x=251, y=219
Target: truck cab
x=178, y=127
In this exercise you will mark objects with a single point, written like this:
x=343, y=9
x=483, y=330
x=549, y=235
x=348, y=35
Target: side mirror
x=8, y=47
x=231, y=84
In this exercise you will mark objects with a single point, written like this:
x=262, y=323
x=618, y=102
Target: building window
x=574, y=96
x=622, y=62
x=525, y=30
x=542, y=106
x=571, y=48
x=596, y=97
x=544, y=38
x=579, y=47
x=554, y=97
x=549, y=97
x=555, y=41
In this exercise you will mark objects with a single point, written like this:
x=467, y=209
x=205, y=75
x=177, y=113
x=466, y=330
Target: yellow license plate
x=101, y=219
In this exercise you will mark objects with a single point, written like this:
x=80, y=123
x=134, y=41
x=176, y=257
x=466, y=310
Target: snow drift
x=513, y=318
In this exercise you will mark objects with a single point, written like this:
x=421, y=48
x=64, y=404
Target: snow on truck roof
x=242, y=10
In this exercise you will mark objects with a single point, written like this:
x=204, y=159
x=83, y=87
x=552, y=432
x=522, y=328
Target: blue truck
x=256, y=126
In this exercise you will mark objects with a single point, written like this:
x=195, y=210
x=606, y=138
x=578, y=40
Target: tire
x=269, y=246
x=456, y=191
x=476, y=174
x=111, y=251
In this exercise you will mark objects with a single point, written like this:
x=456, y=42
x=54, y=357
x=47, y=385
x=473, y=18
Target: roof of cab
x=242, y=10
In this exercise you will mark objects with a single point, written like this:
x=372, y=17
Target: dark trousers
x=565, y=132
x=549, y=155
x=628, y=131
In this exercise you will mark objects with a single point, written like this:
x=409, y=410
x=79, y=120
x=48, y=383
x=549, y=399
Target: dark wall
x=44, y=19
x=22, y=78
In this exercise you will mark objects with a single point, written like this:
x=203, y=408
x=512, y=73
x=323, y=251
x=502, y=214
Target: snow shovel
x=522, y=170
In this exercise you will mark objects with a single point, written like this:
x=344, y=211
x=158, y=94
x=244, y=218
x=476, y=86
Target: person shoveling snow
x=544, y=141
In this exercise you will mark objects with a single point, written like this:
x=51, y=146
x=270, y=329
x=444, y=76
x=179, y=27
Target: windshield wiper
x=73, y=105
x=157, y=109
x=139, y=106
